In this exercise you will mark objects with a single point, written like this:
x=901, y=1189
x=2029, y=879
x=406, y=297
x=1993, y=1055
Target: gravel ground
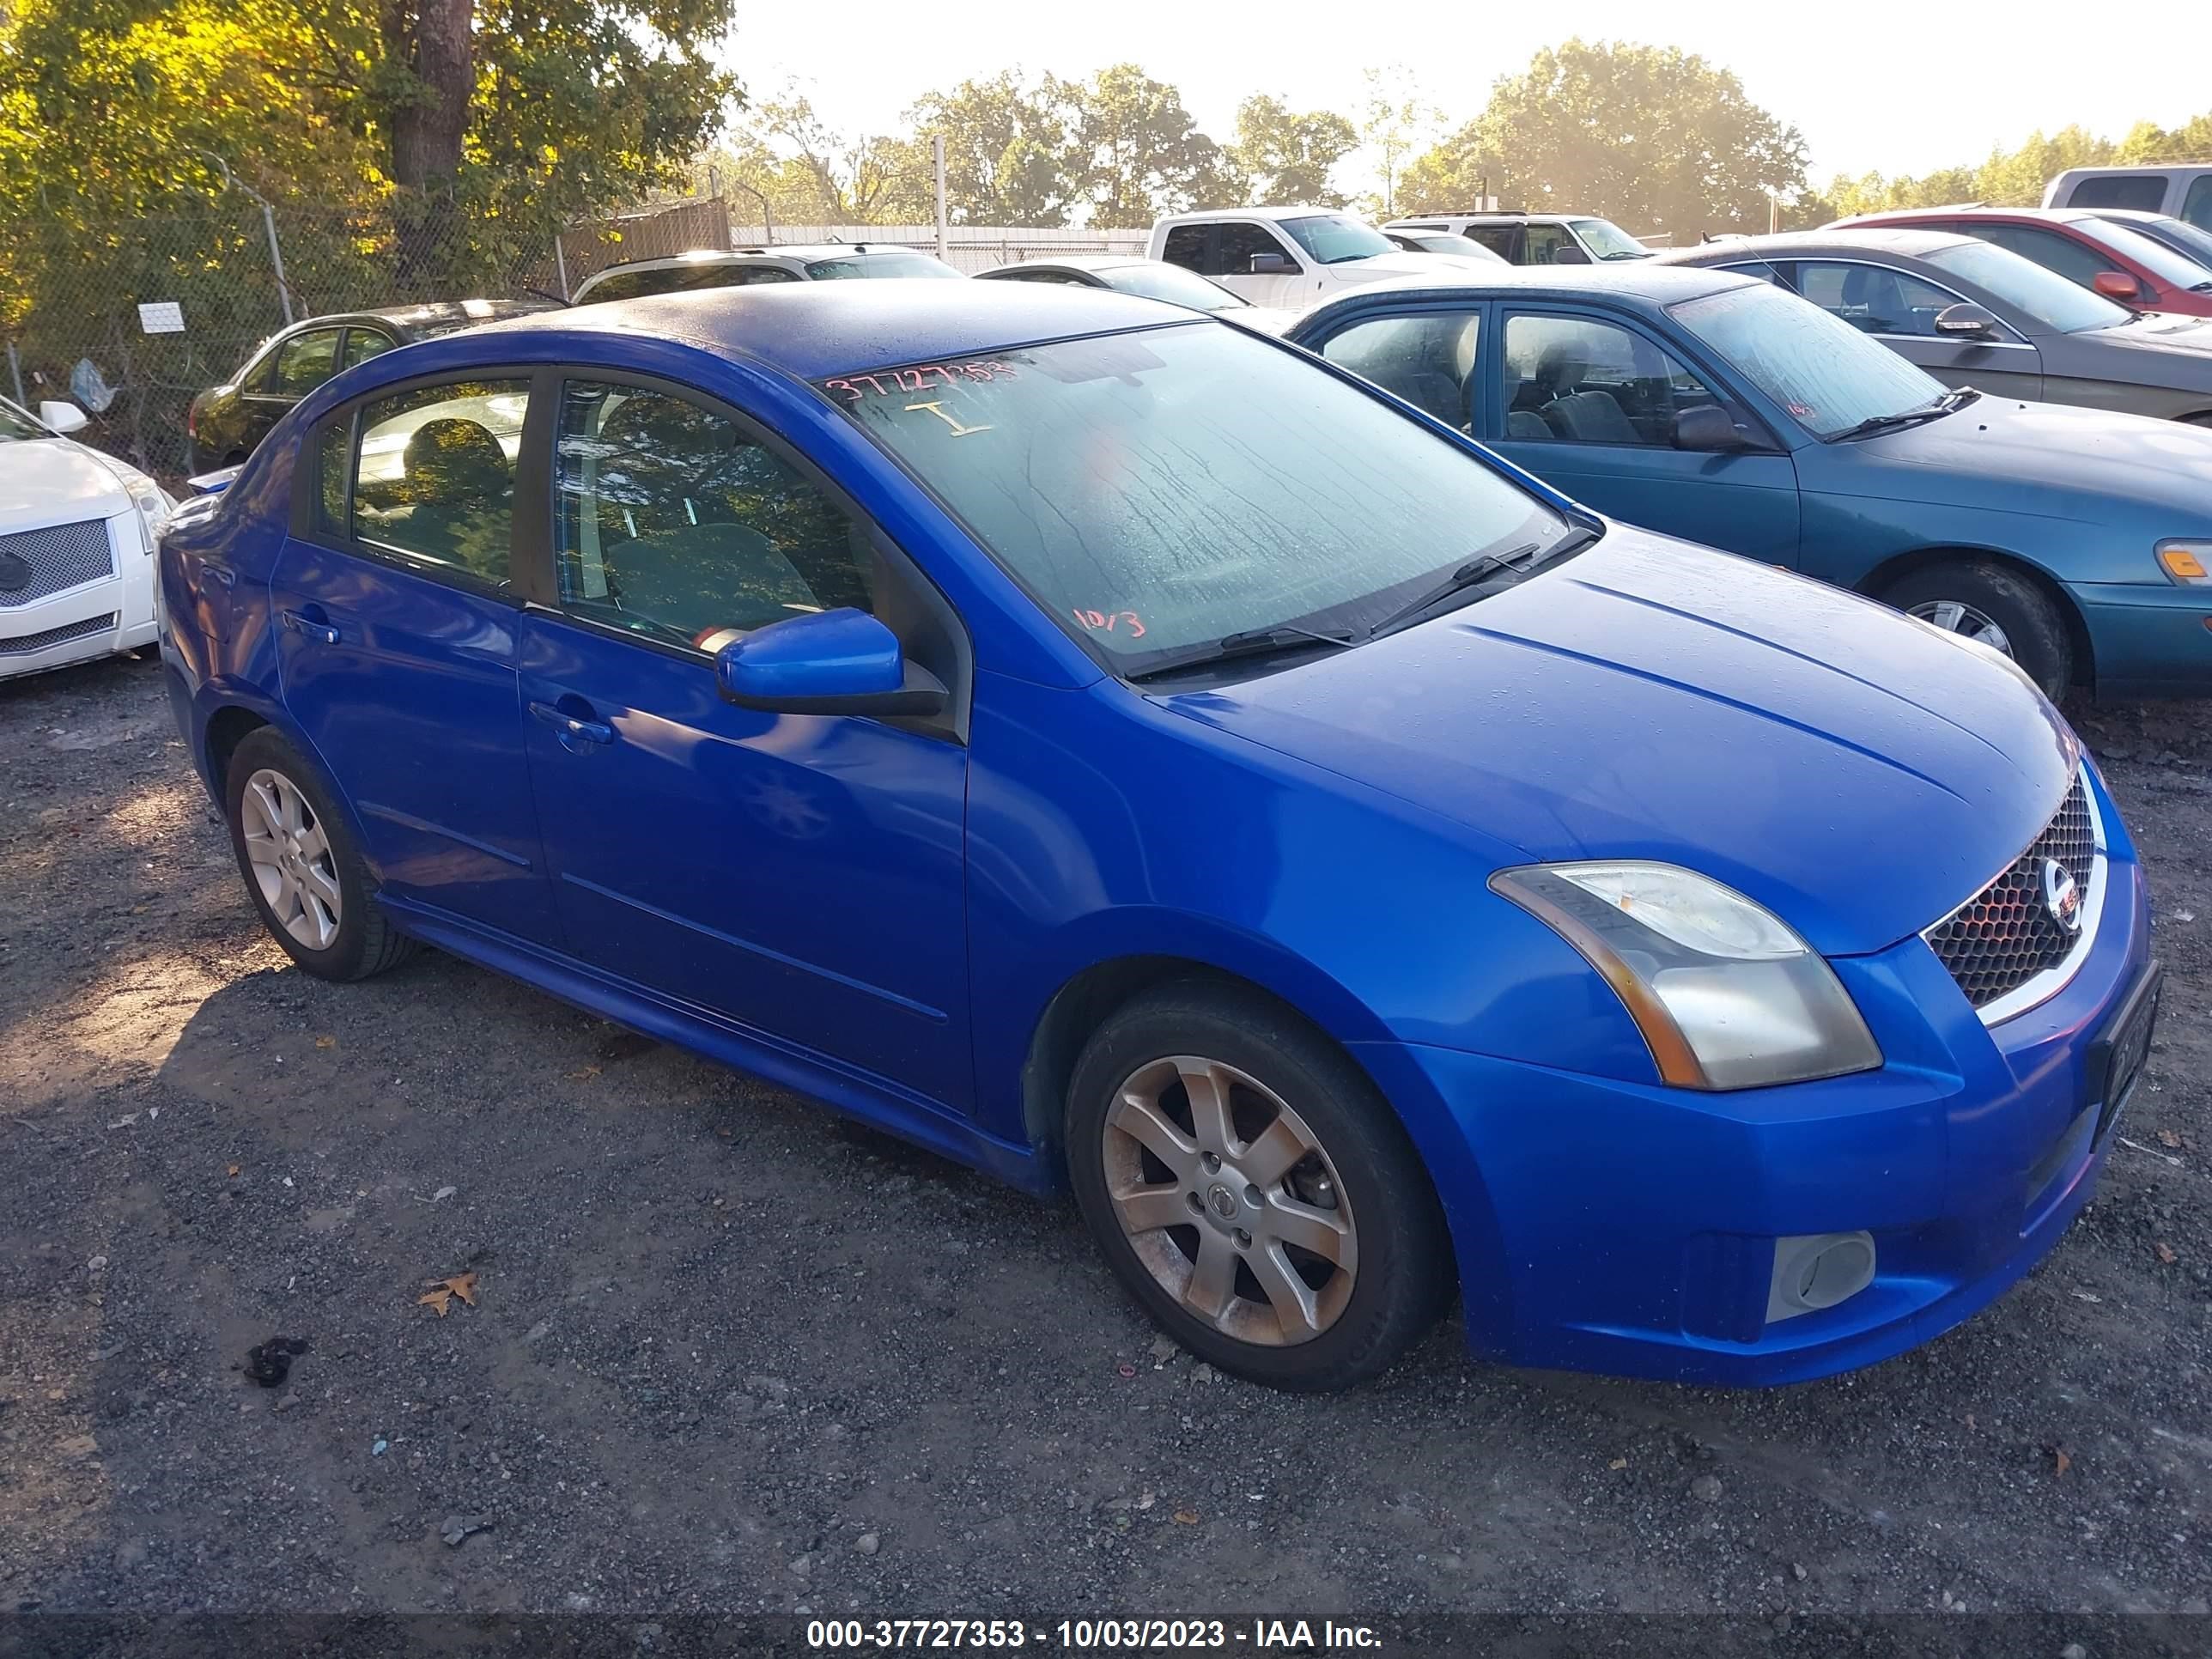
x=728, y=1354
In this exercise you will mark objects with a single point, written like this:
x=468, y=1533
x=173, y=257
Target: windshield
x=1824, y=373
x=2180, y=234
x=1465, y=247
x=1160, y=491
x=16, y=426
x=879, y=265
x=1606, y=241
x=1173, y=283
x=1334, y=238
x=2051, y=299
x=2168, y=265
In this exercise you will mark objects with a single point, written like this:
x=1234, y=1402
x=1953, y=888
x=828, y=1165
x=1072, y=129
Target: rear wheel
x=1253, y=1191
x=1981, y=600
x=301, y=869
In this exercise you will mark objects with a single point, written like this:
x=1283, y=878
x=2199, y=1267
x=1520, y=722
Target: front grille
x=23, y=644
x=2005, y=934
x=57, y=557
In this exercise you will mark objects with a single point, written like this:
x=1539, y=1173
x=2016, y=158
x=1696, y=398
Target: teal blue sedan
x=1720, y=408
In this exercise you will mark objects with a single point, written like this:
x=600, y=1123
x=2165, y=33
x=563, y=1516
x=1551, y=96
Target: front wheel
x=1981, y=600
x=1253, y=1191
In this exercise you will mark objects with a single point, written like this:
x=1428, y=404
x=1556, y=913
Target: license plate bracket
x=2116, y=1059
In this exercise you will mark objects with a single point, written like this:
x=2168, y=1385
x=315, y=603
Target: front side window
x=1873, y=299
x=1427, y=358
x=2077, y=261
x=433, y=479
x=1540, y=244
x=1590, y=382
x=17, y=425
x=1336, y=238
x=879, y=265
x=306, y=361
x=2145, y=193
x=1827, y=375
x=673, y=522
x=1241, y=242
x=2043, y=294
x=1159, y=491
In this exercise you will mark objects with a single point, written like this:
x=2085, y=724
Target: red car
x=2103, y=254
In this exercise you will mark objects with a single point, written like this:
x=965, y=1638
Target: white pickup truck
x=1291, y=257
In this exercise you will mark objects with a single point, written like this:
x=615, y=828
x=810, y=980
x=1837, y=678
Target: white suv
x=797, y=262
x=1536, y=239
x=1293, y=256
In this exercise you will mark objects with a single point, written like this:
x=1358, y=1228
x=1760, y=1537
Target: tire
x=314, y=894
x=1957, y=593
x=1354, y=1186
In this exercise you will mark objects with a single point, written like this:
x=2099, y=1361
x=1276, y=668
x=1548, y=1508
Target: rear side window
x=434, y=477
x=1428, y=359
x=675, y=524
x=1498, y=239
x=2143, y=191
x=363, y=344
x=306, y=361
x=1186, y=246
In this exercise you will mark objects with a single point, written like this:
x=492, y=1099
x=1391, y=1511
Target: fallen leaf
x=1186, y=1517
x=2165, y=1254
x=584, y=1073
x=234, y=1172
x=2168, y=1138
x=326, y=1042
x=2064, y=1462
x=1618, y=1463
x=443, y=1290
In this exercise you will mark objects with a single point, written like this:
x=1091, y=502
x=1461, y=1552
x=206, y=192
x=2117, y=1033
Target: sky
x=1896, y=87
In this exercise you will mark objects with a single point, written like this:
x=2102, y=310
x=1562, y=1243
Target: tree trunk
x=433, y=39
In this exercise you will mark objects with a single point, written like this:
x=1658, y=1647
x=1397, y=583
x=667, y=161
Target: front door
x=1236, y=243
x=397, y=625
x=1587, y=404
x=799, y=874
x=1899, y=309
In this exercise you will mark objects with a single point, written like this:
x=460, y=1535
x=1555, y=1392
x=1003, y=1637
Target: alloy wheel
x=1957, y=616
x=291, y=859
x=1230, y=1201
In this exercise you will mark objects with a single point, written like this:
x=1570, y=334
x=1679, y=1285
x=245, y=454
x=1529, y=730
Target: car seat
x=1878, y=300
x=459, y=493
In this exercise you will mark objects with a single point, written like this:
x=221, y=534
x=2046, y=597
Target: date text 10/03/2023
x=1095, y=1635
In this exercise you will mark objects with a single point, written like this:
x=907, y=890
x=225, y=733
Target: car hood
x=1383, y=267
x=2054, y=459
x=1858, y=774
x=2175, y=350
x=46, y=481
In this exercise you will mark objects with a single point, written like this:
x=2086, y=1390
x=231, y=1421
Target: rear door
x=396, y=616
x=1899, y=309
x=799, y=875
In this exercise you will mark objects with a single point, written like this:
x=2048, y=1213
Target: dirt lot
x=727, y=1353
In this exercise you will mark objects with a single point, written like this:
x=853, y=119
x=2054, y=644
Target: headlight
x=1727, y=995
x=154, y=504
x=2185, y=561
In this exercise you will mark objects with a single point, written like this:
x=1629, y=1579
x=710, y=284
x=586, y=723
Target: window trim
x=307, y=484
x=2001, y=311
x=536, y=468
x=1722, y=386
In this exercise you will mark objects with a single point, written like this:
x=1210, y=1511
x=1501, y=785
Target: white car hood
x=46, y=481
x=1385, y=267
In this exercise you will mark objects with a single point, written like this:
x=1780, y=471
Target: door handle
x=313, y=625
x=572, y=728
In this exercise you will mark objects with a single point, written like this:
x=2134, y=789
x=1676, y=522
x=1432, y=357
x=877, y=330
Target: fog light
x=1818, y=1270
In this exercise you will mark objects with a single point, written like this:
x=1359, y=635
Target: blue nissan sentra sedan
x=1123, y=752
x=1711, y=406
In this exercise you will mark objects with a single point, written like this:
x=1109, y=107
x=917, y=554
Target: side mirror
x=61, y=417
x=1707, y=427
x=1567, y=253
x=1965, y=321
x=1271, y=265
x=828, y=662
x=2116, y=285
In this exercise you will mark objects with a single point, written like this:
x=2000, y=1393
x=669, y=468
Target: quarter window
x=1873, y=299
x=433, y=479
x=1584, y=382
x=306, y=361
x=674, y=523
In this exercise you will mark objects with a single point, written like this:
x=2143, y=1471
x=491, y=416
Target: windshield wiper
x=1949, y=403
x=1251, y=642
x=1520, y=560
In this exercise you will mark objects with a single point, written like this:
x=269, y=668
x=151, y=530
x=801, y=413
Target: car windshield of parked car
x=1333, y=238
x=2045, y=295
x=2179, y=234
x=1174, y=284
x=1163, y=491
x=2169, y=265
x=1465, y=247
x=16, y=426
x=1606, y=241
x=1826, y=374
x=879, y=265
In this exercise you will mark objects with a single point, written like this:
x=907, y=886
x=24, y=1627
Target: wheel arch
x=1899, y=566
x=229, y=727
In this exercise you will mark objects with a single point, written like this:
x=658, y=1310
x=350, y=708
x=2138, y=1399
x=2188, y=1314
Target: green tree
x=812, y=174
x=1008, y=148
x=1395, y=117
x=1138, y=154
x=1654, y=136
x=1282, y=156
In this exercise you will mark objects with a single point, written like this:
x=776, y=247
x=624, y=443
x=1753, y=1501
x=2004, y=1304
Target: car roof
x=732, y=256
x=1971, y=210
x=1657, y=285
x=1421, y=219
x=1216, y=215
x=811, y=330
x=1794, y=243
x=439, y=315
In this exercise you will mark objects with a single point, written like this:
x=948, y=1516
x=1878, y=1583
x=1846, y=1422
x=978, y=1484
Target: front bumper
x=1630, y=1228
x=2148, y=642
x=96, y=619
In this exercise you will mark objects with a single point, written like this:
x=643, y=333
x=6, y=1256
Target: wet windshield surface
x=1826, y=374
